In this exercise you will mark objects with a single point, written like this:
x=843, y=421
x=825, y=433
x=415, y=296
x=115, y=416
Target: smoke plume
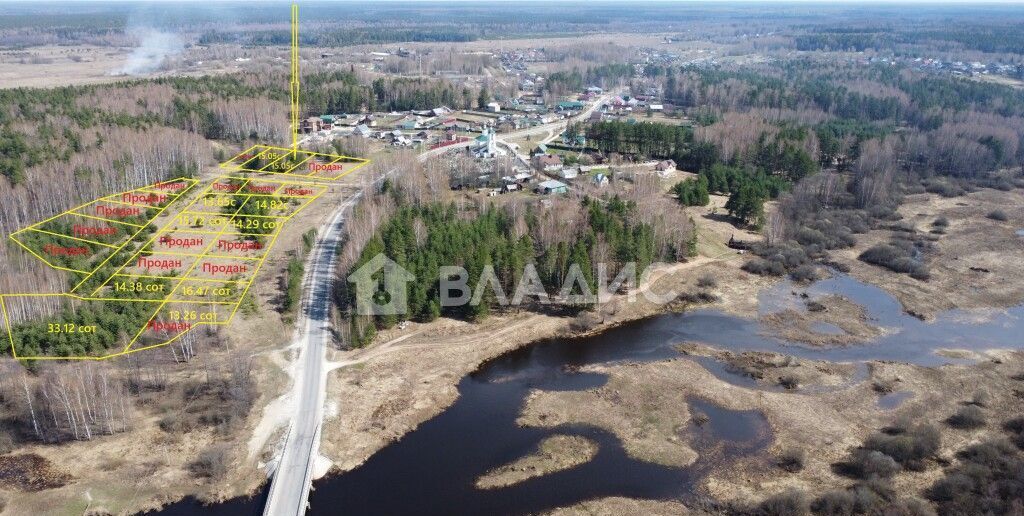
x=155, y=46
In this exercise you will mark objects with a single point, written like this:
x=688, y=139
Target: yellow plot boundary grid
x=290, y=197
x=255, y=175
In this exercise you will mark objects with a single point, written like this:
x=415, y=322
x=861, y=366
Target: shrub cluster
x=898, y=256
x=763, y=267
x=967, y=417
x=707, y=281
x=986, y=480
x=998, y=215
x=826, y=234
x=699, y=297
x=815, y=306
x=944, y=187
x=1015, y=427
x=874, y=498
x=868, y=498
x=994, y=182
x=909, y=446
x=856, y=221
x=211, y=462
x=804, y=273
x=776, y=260
x=792, y=460
x=792, y=502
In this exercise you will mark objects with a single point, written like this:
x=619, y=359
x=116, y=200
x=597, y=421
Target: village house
x=349, y=121
x=548, y=162
x=665, y=165
x=310, y=125
x=362, y=130
x=569, y=105
x=552, y=186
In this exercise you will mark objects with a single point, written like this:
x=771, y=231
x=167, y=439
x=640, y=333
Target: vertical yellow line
x=295, y=76
x=7, y=325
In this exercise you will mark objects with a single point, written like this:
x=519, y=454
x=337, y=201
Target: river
x=432, y=470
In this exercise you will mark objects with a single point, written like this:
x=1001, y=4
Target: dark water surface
x=893, y=400
x=432, y=470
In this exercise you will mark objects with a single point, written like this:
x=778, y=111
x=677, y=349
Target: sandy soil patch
x=555, y=453
x=978, y=261
x=776, y=369
x=615, y=506
x=827, y=321
x=826, y=425
x=650, y=422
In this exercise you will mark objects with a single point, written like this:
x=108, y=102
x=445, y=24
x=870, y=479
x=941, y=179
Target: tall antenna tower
x=295, y=77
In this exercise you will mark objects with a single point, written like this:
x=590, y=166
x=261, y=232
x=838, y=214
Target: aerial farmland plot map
x=511, y=258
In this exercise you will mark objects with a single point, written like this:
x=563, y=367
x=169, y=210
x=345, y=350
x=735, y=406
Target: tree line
x=422, y=238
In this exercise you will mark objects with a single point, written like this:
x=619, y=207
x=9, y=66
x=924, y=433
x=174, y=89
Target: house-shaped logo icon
x=380, y=287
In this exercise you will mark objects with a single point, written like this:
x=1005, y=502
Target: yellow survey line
x=155, y=188
x=37, y=230
x=139, y=251
x=229, y=220
x=271, y=147
x=329, y=163
x=130, y=239
x=143, y=206
x=44, y=260
x=239, y=155
x=175, y=289
x=256, y=157
x=173, y=197
x=297, y=165
x=107, y=220
x=343, y=174
x=294, y=86
x=8, y=324
x=182, y=278
x=281, y=157
x=139, y=300
x=286, y=184
x=228, y=257
x=279, y=180
x=171, y=253
x=259, y=266
x=203, y=232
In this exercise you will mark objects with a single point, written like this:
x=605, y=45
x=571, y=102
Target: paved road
x=289, y=489
x=290, y=486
